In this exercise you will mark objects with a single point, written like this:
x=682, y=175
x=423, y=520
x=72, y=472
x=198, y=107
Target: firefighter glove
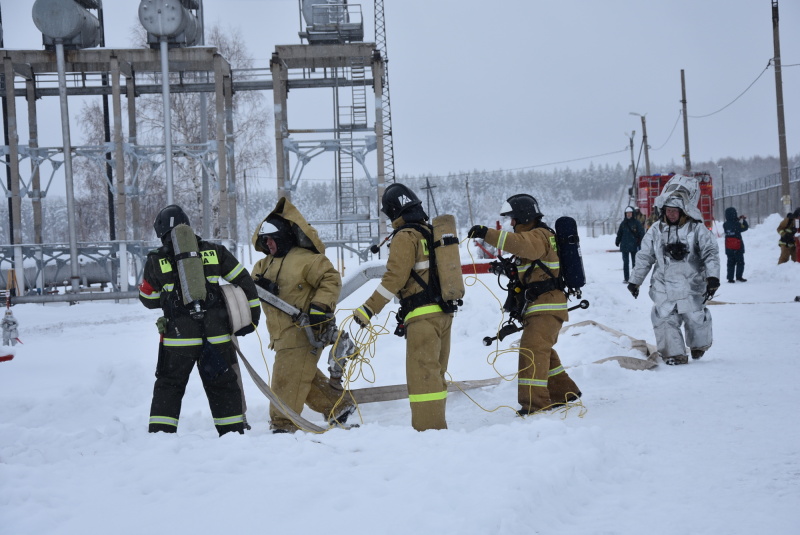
x=266, y=284
x=712, y=285
x=633, y=289
x=362, y=315
x=478, y=231
x=245, y=330
x=316, y=315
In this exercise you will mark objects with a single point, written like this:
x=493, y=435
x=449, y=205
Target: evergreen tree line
x=593, y=194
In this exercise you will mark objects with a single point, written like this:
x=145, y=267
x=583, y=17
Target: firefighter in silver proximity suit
x=685, y=259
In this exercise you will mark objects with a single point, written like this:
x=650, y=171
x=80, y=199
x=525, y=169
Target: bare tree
x=252, y=135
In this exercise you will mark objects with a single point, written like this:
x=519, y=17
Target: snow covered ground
x=707, y=448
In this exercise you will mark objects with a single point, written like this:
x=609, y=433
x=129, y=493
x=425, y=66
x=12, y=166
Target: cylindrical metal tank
x=66, y=20
x=168, y=18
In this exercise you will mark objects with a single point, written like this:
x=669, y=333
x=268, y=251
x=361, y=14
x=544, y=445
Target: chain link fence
x=757, y=199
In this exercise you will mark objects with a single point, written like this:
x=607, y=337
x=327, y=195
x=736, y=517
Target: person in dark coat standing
x=734, y=245
x=629, y=236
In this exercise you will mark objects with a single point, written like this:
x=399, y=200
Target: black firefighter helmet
x=398, y=201
x=169, y=218
x=521, y=207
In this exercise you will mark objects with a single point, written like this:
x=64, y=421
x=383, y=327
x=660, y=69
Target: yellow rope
x=493, y=356
x=359, y=364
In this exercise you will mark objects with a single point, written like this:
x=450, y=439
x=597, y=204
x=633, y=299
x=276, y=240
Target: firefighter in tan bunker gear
x=542, y=381
x=427, y=325
x=786, y=230
x=298, y=272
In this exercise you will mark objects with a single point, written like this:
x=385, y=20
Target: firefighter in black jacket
x=197, y=334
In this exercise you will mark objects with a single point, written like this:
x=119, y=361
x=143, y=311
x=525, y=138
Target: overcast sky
x=522, y=83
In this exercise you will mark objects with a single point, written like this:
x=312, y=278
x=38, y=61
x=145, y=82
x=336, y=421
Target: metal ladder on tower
x=380, y=44
x=352, y=116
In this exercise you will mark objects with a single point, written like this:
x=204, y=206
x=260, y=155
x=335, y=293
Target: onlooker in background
x=10, y=326
x=734, y=245
x=629, y=236
x=786, y=232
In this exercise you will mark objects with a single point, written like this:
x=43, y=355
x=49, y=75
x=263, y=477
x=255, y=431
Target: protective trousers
x=735, y=264
x=172, y=375
x=787, y=253
x=427, y=355
x=297, y=381
x=669, y=338
x=542, y=380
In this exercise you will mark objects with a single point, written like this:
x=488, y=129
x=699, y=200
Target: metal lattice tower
x=380, y=44
x=351, y=116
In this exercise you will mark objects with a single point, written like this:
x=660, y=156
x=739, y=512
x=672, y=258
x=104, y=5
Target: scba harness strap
x=431, y=293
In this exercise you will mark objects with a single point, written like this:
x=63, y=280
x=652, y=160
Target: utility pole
x=644, y=143
x=646, y=147
x=633, y=164
x=687, y=159
x=429, y=193
x=785, y=194
x=469, y=205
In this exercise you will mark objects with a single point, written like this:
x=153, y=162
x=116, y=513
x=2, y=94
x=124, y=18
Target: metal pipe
x=204, y=138
x=72, y=297
x=167, y=117
x=73, y=237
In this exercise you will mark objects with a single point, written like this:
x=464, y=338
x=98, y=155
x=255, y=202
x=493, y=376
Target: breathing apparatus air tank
x=448, y=260
x=190, y=267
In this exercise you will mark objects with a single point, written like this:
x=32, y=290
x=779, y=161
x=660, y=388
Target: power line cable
x=484, y=172
x=680, y=112
x=737, y=98
x=471, y=174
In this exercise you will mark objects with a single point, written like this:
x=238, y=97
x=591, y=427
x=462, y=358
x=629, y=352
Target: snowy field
x=712, y=447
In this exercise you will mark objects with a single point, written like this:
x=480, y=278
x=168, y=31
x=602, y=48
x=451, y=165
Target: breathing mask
x=677, y=251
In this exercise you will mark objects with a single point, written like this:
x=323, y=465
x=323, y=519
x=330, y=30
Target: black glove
x=266, y=284
x=362, y=315
x=633, y=289
x=616, y=242
x=478, y=231
x=245, y=330
x=316, y=315
x=712, y=285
